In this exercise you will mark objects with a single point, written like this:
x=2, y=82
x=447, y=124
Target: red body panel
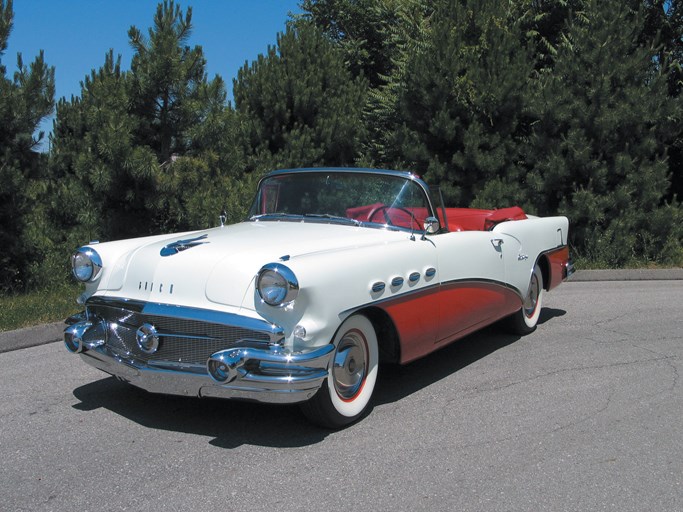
x=430, y=319
x=558, y=260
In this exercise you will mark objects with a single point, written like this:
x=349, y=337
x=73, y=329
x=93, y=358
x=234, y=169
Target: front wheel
x=346, y=393
x=526, y=319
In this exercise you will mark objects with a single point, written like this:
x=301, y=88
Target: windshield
x=342, y=197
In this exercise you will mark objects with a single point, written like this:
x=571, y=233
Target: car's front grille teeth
x=180, y=340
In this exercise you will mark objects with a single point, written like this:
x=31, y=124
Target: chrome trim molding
x=408, y=175
x=85, y=335
x=123, y=338
x=269, y=376
x=256, y=365
x=378, y=287
x=424, y=289
x=183, y=245
x=275, y=332
x=433, y=288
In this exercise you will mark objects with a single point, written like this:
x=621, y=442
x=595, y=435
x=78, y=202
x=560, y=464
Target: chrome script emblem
x=182, y=245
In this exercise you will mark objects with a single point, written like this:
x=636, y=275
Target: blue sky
x=76, y=34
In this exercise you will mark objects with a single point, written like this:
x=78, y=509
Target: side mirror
x=431, y=225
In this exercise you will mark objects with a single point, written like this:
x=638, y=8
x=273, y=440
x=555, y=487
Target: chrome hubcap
x=349, y=368
x=532, y=297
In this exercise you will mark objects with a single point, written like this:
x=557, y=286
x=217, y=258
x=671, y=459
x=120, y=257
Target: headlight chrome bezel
x=86, y=264
x=277, y=285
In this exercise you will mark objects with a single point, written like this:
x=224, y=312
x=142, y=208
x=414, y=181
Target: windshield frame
x=255, y=214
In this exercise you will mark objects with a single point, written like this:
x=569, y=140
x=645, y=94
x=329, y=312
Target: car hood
x=219, y=265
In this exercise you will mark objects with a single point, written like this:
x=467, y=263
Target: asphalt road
x=585, y=414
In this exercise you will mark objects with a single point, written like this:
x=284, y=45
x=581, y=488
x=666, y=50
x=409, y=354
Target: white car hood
x=221, y=267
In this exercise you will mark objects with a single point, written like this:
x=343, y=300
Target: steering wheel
x=387, y=218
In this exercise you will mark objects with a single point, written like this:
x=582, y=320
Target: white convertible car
x=333, y=272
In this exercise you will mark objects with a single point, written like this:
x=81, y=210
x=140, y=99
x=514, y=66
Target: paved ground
x=582, y=415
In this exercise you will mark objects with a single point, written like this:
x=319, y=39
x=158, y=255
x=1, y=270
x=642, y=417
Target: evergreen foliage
x=598, y=153
x=298, y=105
x=359, y=29
x=25, y=100
x=462, y=105
x=140, y=152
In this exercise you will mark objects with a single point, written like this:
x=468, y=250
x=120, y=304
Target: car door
x=473, y=287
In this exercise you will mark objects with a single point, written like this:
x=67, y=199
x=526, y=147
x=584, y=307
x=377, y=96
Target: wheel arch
x=544, y=264
x=387, y=335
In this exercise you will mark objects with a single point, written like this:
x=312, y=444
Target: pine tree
x=599, y=150
x=461, y=108
x=137, y=150
x=542, y=25
x=358, y=28
x=96, y=163
x=299, y=105
x=664, y=25
x=166, y=81
x=25, y=100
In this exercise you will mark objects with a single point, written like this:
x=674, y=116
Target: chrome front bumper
x=270, y=374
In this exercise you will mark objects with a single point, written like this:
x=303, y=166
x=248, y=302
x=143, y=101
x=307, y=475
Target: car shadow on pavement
x=397, y=382
x=549, y=314
x=233, y=423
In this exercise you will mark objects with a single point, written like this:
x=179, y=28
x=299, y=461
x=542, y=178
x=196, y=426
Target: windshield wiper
x=276, y=215
x=335, y=218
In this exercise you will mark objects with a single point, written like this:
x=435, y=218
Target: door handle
x=496, y=242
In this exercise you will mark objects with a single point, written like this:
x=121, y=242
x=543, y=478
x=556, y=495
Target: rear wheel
x=526, y=319
x=346, y=393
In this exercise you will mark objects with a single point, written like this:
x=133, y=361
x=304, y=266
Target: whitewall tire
x=526, y=319
x=346, y=393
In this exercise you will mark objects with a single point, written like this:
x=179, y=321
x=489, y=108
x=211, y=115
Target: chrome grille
x=180, y=340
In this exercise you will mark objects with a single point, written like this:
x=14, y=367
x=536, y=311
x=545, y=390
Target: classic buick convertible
x=333, y=272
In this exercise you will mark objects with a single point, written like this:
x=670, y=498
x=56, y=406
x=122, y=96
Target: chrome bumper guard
x=271, y=375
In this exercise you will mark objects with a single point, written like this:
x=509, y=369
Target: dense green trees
x=25, y=100
x=299, y=105
x=560, y=106
x=598, y=152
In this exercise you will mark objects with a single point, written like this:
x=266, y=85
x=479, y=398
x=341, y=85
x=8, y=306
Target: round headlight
x=276, y=284
x=86, y=264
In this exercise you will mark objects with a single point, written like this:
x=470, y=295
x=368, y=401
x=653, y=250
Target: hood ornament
x=182, y=245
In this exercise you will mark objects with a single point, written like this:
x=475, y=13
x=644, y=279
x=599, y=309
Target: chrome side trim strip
x=433, y=289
